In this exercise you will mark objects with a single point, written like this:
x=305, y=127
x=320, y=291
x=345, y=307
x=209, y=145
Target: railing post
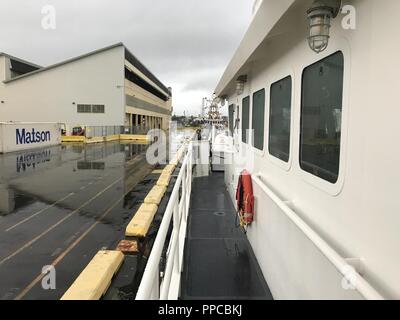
x=361, y=284
x=189, y=177
x=184, y=190
x=155, y=291
x=150, y=287
x=188, y=188
x=176, y=229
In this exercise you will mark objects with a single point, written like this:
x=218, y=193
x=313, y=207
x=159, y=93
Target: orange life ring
x=245, y=199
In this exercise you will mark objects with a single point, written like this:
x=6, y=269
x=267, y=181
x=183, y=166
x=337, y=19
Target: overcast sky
x=185, y=43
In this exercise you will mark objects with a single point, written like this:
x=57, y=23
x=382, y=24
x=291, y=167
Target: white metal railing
x=177, y=210
x=361, y=284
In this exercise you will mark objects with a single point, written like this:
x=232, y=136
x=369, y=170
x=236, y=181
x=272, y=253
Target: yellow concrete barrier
x=177, y=157
x=110, y=138
x=73, y=139
x=115, y=137
x=155, y=195
x=157, y=171
x=163, y=180
x=181, y=153
x=95, y=279
x=94, y=140
x=140, y=224
x=169, y=169
x=140, y=137
x=174, y=160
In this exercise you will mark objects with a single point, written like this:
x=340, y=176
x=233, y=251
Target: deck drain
x=219, y=213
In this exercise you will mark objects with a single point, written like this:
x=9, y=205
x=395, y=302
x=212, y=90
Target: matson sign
x=21, y=136
x=26, y=137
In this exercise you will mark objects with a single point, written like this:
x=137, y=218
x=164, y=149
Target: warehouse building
x=106, y=87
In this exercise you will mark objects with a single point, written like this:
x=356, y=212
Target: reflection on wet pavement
x=50, y=198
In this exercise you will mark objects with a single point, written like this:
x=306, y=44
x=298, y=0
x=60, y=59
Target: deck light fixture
x=217, y=100
x=223, y=100
x=319, y=18
x=240, y=82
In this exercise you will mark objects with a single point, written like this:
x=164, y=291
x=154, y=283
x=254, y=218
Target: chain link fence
x=103, y=131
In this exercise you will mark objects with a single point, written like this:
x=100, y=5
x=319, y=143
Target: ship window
x=231, y=114
x=279, y=118
x=245, y=118
x=258, y=119
x=321, y=117
x=237, y=121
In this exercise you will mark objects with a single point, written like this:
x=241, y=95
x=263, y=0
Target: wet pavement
x=59, y=206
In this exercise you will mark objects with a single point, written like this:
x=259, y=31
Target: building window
x=258, y=119
x=89, y=108
x=279, y=119
x=84, y=108
x=231, y=114
x=321, y=117
x=245, y=119
x=98, y=108
x=129, y=75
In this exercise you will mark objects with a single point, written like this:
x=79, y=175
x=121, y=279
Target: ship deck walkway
x=219, y=262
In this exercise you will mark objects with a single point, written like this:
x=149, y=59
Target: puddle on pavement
x=51, y=173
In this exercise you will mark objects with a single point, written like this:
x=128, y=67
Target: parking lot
x=59, y=206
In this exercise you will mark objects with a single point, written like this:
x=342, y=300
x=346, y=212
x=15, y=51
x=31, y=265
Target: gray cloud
x=186, y=43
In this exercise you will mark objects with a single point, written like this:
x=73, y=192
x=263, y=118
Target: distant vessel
x=211, y=112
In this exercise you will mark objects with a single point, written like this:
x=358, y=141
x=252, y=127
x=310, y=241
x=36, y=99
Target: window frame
x=276, y=161
x=98, y=105
x=315, y=181
x=231, y=132
x=237, y=120
x=248, y=123
x=83, y=105
x=260, y=152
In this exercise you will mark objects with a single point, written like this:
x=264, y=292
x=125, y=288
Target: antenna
x=213, y=115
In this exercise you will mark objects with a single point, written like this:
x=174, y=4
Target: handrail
x=150, y=288
x=360, y=284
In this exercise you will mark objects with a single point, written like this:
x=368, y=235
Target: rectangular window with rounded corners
x=245, y=118
x=231, y=114
x=258, y=119
x=321, y=117
x=280, y=119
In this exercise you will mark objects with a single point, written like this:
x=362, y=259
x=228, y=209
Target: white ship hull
x=358, y=216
